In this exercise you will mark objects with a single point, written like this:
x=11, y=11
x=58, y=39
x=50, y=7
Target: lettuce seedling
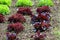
x=15, y=27
x=45, y=3
x=6, y=2
x=17, y=18
x=4, y=9
x=24, y=3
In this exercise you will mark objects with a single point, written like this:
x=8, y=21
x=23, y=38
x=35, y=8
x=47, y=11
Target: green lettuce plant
x=4, y=9
x=24, y=3
x=45, y=3
x=6, y=2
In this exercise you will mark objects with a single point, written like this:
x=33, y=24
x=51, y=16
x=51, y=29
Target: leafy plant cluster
x=15, y=25
x=4, y=6
x=16, y=21
x=24, y=11
x=4, y=9
x=45, y=3
x=17, y=18
x=6, y=2
x=41, y=21
x=24, y=3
